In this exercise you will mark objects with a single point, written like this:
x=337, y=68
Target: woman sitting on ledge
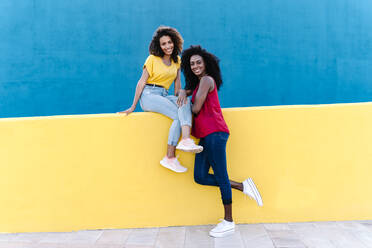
x=160, y=70
x=203, y=79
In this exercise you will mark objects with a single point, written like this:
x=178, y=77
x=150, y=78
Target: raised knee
x=199, y=179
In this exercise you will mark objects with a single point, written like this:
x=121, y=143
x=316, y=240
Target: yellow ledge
x=63, y=173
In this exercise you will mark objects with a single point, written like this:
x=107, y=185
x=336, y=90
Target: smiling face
x=166, y=44
x=197, y=65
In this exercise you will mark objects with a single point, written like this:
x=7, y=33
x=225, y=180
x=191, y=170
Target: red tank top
x=210, y=118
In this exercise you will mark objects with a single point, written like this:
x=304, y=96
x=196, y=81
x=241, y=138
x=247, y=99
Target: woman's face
x=197, y=65
x=166, y=44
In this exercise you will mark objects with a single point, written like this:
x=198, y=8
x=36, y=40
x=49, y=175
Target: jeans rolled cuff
x=172, y=143
x=185, y=123
x=226, y=201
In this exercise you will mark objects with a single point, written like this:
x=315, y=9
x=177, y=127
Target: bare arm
x=177, y=83
x=139, y=88
x=181, y=93
x=206, y=85
x=182, y=96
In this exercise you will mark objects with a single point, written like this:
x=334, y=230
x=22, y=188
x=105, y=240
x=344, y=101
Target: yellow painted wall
x=311, y=163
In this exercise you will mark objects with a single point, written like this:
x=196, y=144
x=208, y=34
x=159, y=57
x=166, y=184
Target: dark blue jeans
x=213, y=154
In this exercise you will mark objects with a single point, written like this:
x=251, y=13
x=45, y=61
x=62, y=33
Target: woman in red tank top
x=203, y=79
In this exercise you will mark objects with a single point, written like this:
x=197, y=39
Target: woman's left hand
x=182, y=97
x=127, y=112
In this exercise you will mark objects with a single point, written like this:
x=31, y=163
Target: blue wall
x=79, y=56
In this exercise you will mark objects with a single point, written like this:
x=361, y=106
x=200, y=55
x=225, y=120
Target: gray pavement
x=345, y=234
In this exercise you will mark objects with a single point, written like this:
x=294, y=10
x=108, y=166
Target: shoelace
x=221, y=223
x=176, y=162
x=186, y=142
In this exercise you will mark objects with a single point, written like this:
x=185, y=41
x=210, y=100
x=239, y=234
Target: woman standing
x=203, y=79
x=161, y=69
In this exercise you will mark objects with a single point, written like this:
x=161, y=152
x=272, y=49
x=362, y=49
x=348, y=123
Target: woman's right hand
x=127, y=112
x=182, y=97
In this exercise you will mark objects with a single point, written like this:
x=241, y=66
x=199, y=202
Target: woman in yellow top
x=161, y=69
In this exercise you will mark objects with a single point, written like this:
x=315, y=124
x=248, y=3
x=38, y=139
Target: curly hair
x=211, y=62
x=176, y=38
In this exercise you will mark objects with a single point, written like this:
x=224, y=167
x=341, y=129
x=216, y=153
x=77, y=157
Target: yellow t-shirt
x=160, y=73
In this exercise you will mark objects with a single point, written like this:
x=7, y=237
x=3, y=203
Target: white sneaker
x=223, y=229
x=173, y=164
x=250, y=189
x=188, y=145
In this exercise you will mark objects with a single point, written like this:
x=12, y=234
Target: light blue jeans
x=156, y=99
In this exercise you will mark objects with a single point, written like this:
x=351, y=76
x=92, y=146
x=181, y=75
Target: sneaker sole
x=161, y=163
x=197, y=150
x=221, y=234
x=255, y=192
